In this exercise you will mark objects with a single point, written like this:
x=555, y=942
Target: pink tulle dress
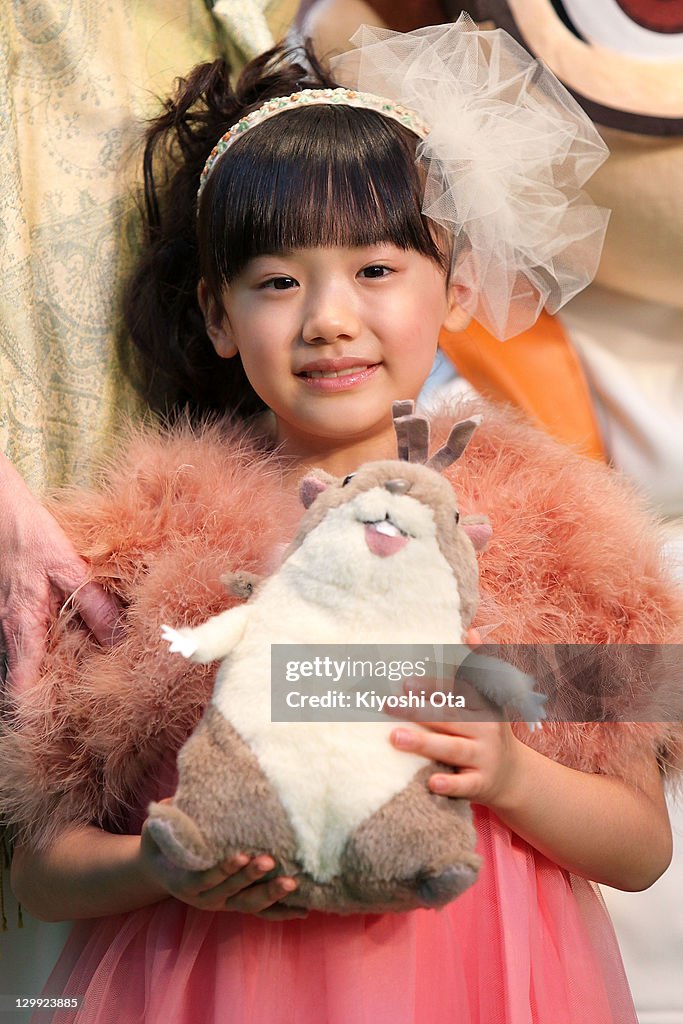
x=527, y=944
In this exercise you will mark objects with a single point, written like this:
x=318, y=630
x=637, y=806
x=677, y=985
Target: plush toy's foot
x=418, y=850
x=437, y=890
x=178, y=837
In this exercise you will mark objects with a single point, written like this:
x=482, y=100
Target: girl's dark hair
x=312, y=176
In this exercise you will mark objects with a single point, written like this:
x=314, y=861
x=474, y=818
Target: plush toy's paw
x=181, y=641
x=531, y=709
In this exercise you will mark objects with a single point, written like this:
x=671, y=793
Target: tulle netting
x=508, y=152
x=527, y=944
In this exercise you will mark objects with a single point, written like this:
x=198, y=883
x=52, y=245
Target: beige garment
x=251, y=26
x=75, y=78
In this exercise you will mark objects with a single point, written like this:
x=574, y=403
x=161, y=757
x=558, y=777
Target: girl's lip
x=350, y=377
x=332, y=364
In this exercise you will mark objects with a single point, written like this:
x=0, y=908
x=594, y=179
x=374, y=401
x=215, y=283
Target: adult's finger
x=24, y=646
x=100, y=611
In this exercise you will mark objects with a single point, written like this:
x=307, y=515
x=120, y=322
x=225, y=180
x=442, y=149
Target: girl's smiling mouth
x=336, y=374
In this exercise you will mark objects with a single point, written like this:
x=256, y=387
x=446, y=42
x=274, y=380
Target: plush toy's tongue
x=384, y=538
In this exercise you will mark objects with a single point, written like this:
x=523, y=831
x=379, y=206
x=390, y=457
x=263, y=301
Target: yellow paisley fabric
x=76, y=77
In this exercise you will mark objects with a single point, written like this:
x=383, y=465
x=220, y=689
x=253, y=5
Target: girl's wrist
x=143, y=867
x=511, y=794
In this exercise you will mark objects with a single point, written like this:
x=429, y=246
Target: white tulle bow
x=506, y=158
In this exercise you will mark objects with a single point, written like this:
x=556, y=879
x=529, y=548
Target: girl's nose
x=331, y=316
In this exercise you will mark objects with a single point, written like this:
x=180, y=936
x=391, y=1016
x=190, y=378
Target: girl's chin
x=324, y=434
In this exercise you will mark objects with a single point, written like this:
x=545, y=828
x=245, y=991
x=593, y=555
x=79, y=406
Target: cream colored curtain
x=76, y=77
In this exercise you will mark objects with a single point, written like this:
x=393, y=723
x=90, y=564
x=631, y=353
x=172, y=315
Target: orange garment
x=537, y=371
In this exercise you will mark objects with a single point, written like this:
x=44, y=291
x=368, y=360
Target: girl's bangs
x=317, y=176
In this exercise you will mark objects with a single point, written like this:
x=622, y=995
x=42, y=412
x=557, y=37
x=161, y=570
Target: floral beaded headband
x=505, y=150
x=309, y=98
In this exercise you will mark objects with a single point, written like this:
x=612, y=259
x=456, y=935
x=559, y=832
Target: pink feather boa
x=574, y=559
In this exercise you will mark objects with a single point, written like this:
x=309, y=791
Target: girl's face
x=329, y=337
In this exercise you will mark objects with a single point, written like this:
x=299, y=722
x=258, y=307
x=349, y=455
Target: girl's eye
x=376, y=270
x=280, y=284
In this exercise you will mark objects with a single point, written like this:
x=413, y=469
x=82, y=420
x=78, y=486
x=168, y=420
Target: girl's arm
x=597, y=826
x=87, y=872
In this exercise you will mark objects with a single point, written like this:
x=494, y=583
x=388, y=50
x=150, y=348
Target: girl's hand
x=486, y=755
x=39, y=571
x=234, y=885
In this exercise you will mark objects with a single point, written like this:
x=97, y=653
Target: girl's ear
x=457, y=318
x=217, y=325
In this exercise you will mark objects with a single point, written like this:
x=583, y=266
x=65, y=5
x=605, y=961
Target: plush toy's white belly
x=330, y=776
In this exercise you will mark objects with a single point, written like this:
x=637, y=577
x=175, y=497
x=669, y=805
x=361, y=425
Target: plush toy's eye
x=457, y=516
x=346, y=479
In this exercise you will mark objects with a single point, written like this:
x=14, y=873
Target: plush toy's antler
x=455, y=445
x=412, y=432
x=412, y=437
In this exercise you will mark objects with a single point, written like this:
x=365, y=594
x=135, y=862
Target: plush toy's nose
x=398, y=486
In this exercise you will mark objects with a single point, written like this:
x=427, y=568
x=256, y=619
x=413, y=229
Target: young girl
x=293, y=277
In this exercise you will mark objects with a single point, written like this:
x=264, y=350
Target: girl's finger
x=189, y=883
x=233, y=864
x=257, y=898
x=241, y=873
x=458, y=751
x=467, y=729
x=465, y=785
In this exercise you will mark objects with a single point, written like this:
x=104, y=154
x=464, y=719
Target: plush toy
x=380, y=557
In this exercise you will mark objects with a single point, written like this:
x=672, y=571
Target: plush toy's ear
x=478, y=529
x=312, y=485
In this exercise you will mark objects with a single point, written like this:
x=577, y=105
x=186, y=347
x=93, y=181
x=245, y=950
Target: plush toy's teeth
x=387, y=528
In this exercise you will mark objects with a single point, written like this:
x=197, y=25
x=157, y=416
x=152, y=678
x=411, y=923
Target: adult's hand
x=39, y=572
